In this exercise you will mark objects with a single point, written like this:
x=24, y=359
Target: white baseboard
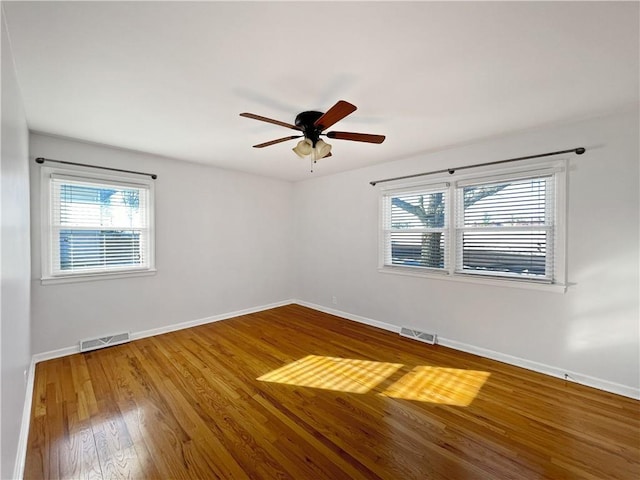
x=569, y=375
x=21, y=454
x=203, y=321
x=349, y=316
x=63, y=352
x=575, y=377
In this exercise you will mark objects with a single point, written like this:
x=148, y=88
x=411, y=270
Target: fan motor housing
x=306, y=121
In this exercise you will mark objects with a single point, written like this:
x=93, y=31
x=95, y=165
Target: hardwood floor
x=295, y=393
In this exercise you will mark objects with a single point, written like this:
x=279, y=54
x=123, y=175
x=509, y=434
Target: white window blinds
x=506, y=228
x=416, y=229
x=98, y=226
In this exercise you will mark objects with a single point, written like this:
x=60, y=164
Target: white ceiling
x=170, y=78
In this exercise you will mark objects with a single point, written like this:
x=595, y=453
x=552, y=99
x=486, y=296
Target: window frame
x=480, y=175
x=48, y=276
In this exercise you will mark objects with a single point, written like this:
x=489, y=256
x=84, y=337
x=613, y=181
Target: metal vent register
x=102, y=342
x=425, y=337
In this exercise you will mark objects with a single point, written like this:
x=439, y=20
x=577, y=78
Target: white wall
x=223, y=242
x=592, y=330
x=15, y=267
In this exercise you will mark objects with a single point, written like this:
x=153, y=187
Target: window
x=417, y=228
x=95, y=225
x=503, y=227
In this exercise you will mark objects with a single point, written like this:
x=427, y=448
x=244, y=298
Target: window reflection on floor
x=341, y=374
x=448, y=386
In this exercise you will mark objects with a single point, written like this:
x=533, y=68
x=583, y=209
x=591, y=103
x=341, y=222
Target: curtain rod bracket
x=41, y=160
x=451, y=171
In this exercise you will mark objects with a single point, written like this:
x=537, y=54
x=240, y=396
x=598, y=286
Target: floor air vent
x=102, y=342
x=425, y=337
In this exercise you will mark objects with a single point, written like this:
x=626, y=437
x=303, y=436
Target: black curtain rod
x=42, y=160
x=578, y=151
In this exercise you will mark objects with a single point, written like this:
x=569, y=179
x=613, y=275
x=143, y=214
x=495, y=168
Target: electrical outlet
x=334, y=300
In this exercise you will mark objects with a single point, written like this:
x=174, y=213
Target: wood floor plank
x=293, y=393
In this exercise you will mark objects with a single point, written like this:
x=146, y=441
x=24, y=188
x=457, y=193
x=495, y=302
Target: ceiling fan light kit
x=321, y=150
x=304, y=148
x=312, y=124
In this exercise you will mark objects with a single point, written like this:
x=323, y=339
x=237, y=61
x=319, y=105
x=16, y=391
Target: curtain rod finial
x=39, y=160
x=580, y=150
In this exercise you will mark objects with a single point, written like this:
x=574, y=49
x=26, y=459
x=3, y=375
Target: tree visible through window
x=418, y=228
x=500, y=228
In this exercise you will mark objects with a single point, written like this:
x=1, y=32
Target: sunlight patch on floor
x=341, y=374
x=448, y=386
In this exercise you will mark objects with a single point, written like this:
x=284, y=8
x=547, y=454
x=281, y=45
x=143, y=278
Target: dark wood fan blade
x=269, y=120
x=357, y=137
x=335, y=114
x=273, y=142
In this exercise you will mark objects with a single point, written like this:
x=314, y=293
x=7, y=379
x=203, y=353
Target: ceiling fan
x=312, y=124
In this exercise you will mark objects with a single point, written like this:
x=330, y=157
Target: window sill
x=499, y=282
x=90, y=277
